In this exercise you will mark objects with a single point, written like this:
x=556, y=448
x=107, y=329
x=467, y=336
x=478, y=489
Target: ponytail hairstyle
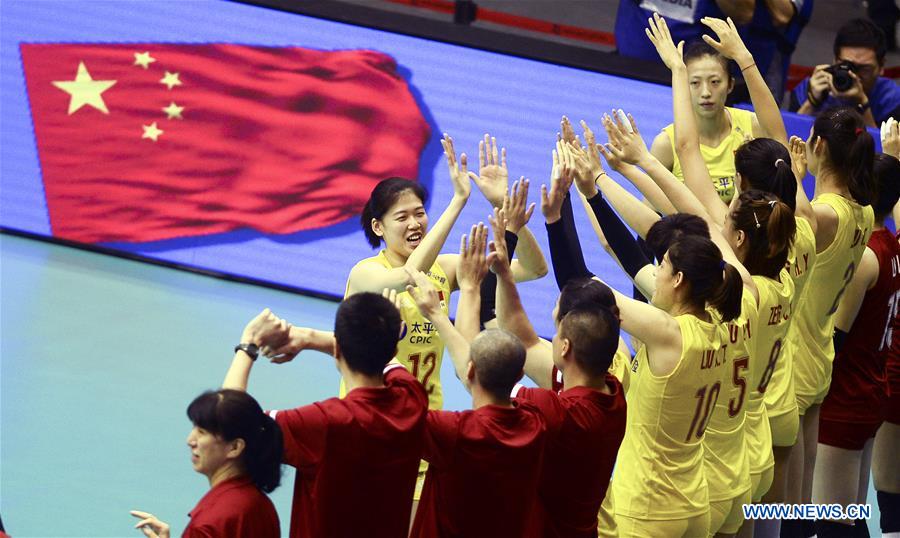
x=851, y=150
x=766, y=165
x=234, y=414
x=672, y=227
x=769, y=226
x=383, y=196
x=712, y=281
x=887, y=178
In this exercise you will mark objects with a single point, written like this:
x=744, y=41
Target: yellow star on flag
x=151, y=131
x=170, y=80
x=85, y=90
x=173, y=111
x=143, y=59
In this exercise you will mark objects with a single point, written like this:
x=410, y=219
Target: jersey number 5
x=735, y=405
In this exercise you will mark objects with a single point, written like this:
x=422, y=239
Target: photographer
x=854, y=79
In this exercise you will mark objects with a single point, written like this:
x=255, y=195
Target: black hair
x=367, y=328
x=593, y=331
x=234, y=414
x=383, y=196
x=769, y=225
x=499, y=358
x=580, y=291
x=765, y=164
x=700, y=49
x=887, y=177
x=861, y=33
x=851, y=150
x=672, y=227
x=711, y=280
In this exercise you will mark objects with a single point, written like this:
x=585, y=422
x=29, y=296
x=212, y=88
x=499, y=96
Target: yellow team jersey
x=659, y=470
x=621, y=367
x=776, y=304
x=725, y=459
x=779, y=393
x=720, y=159
x=832, y=272
x=420, y=348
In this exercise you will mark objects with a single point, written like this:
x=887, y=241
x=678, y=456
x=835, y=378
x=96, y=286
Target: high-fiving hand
x=459, y=174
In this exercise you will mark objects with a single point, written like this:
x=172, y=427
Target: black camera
x=840, y=75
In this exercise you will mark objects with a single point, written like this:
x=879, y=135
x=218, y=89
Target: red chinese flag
x=144, y=142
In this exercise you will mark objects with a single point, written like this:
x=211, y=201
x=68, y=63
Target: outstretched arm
x=472, y=268
x=511, y=315
x=265, y=329
x=731, y=46
x=804, y=208
x=623, y=244
x=556, y=205
x=687, y=137
x=429, y=303
x=493, y=182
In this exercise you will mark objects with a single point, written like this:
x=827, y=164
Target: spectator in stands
x=770, y=29
x=772, y=36
x=683, y=19
x=854, y=79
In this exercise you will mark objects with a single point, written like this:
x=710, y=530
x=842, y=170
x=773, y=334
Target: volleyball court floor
x=99, y=357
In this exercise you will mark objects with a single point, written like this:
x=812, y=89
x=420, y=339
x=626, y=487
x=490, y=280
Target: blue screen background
x=462, y=91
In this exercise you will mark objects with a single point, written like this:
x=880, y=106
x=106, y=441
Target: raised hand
x=498, y=258
x=493, y=177
x=459, y=174
x=472, y=265
x=567, y=133
x=424, y=294
x=627, y=145
x=798, y=159
x=150, y=525
x=583, y=169
x=562, y=175
x=890, y=138
x=518, y=211
x=730, y=44
x=591, y=141
x=658, y=32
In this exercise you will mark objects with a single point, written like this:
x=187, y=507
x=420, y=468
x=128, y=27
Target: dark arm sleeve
x=489, y=284
x=619, y=237
x=565, y=250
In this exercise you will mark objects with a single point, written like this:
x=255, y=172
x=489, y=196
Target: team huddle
x=766, y=364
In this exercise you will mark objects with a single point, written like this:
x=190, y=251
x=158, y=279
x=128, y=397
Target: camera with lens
x=840, y=75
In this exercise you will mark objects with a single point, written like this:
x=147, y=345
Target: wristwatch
x=250, y=349
x=861, y=108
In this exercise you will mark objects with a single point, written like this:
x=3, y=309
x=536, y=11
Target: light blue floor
x=99, y=358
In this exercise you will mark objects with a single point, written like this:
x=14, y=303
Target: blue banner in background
x=460, y=91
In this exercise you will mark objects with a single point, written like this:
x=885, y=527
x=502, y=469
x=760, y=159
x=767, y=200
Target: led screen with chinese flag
x=243, y=140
